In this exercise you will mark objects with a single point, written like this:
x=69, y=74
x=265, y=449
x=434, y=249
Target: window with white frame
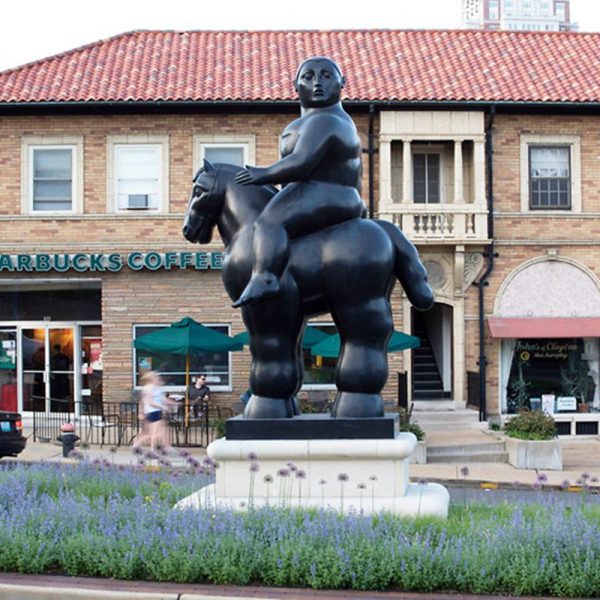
x=172, y=367
x=319, y=371
x=550, y=177
x=231, y=149
x=52, y=178
x=49, y=178
x=232, y=154
x=493, y=10
x=550, y=173
x=427, y=178
x=138, y=176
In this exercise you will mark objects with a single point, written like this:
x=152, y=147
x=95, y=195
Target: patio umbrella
x=311, y=336
x=330, y=347
x=186, y=337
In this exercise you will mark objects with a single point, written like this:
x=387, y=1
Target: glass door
x=48, y=368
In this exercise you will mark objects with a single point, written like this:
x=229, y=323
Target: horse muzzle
x=197, y=230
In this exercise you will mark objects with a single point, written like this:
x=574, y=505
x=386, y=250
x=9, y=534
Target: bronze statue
x=306, y=250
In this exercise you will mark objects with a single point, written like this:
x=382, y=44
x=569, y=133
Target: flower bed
x=102, y=521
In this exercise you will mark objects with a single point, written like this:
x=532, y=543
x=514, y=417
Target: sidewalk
x=579, y=456
x=14, y=586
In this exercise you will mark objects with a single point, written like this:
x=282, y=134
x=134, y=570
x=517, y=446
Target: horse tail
x=408, y=268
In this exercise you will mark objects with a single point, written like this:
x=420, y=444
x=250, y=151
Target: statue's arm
x=314, y=140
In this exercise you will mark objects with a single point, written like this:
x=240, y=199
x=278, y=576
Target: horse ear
x=208, y=167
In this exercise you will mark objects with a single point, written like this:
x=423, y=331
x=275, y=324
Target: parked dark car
x=12, y=441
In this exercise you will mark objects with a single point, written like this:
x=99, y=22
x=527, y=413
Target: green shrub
x=219, y=426
x=531, y=425
x=407, y=425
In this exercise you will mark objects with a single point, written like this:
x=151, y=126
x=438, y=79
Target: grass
x=100, y=520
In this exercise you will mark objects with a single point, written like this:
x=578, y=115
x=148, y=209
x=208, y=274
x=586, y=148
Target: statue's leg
x=362, y=369
x=274, y=326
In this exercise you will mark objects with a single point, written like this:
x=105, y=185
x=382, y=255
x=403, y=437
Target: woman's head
x=150, y=377
x=319, y=82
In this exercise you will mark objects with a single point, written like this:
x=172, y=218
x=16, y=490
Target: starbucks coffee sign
x=113, y=262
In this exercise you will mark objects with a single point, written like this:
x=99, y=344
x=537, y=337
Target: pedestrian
x=152, y=413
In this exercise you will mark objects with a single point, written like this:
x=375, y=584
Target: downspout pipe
x=371, y=159
x=490, y=254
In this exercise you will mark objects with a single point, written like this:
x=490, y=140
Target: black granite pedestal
x=315, y=426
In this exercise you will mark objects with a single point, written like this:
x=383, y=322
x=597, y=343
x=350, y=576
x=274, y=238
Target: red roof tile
x=259, y=65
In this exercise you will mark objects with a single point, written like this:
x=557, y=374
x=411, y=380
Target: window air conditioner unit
x=137, y=201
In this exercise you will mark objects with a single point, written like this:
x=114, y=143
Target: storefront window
x=172, y=368
x=319, y=370
x=8, y=370
x=560, y=367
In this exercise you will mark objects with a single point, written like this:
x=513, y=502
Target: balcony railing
x=439, y=222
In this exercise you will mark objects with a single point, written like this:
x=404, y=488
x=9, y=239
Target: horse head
x=205, y=204
x=217, y=199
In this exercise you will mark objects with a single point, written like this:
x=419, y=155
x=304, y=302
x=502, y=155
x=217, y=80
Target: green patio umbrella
x=187, y=337
x=311, y=336
x=330, y=348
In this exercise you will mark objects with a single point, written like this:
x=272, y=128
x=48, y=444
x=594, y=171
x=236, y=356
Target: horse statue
x=348, y=270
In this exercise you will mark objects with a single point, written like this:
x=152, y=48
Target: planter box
x=419, y=456
x=527, y=454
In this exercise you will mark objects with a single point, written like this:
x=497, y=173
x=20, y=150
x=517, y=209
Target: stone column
x=385, y=176
x=458, y=172
x=407, y=174
x=479, y=173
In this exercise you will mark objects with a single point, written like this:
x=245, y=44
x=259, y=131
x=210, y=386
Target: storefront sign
x=566, y=403
x=136, y=261
x=552, y=349
x=548, y=403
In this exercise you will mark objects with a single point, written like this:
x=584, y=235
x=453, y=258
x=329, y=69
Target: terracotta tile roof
x=379, y=65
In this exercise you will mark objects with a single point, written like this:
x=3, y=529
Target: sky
x=34, y=29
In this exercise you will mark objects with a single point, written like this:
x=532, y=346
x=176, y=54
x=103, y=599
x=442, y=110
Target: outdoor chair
x=93, y=415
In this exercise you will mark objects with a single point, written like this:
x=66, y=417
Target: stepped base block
x=316, y=426
x=380, y=464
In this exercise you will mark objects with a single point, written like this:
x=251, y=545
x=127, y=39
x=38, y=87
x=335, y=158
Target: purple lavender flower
x=254, y=467
x=322, y=482
x=252, y=456
x=372, y=477
x=422, y=481
x=283, y=472
x=137, y=450
x=183, y=453
x=537, y=485
x=342, y=477
x=594, y=480
x=208, y=461
x=113, y=449
x=464, y=471
x=542, y=477
x=585, y=476
x=362, y=486
x=268, y=479
x=300, y=474
x=565, y=485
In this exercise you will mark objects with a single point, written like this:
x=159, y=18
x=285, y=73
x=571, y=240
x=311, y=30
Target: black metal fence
x=118, y=423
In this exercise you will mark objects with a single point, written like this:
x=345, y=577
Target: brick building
x=480, y=145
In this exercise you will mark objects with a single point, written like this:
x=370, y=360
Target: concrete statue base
x=362, y=475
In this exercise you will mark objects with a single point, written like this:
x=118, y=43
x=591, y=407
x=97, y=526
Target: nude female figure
x=320, y=169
